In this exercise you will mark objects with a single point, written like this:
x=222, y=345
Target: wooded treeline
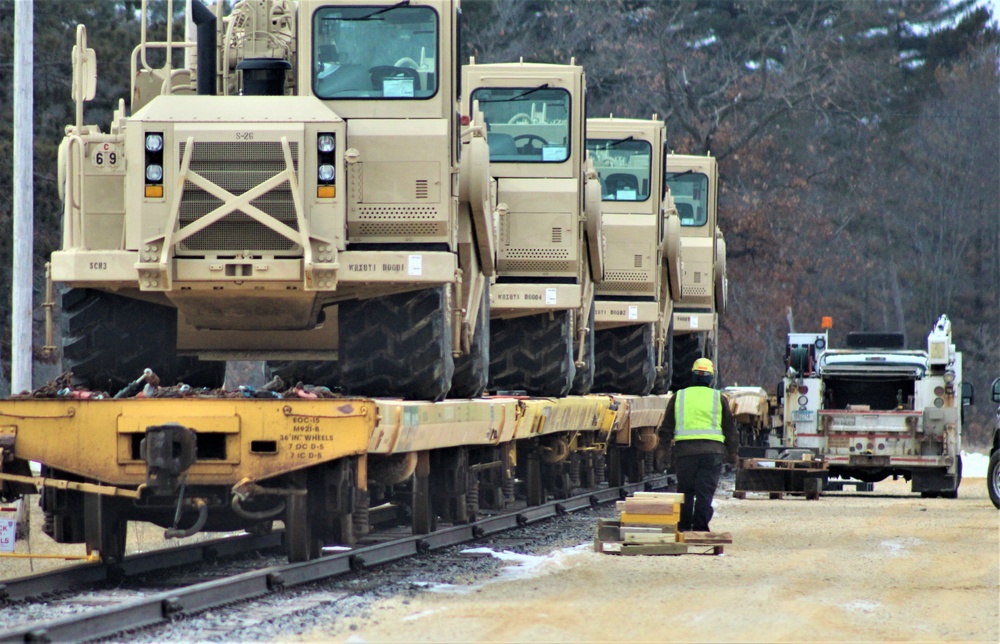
x=859, y=144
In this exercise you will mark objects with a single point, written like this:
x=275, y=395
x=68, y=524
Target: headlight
x=154, y=172
x=326, y=172
x=325, y=143
x=154, y=142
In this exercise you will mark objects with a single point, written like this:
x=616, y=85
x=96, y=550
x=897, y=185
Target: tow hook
x=169, y=450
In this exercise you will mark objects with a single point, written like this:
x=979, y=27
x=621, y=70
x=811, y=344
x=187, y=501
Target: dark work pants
x=697, y=477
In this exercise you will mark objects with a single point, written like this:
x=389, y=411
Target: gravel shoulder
x=881, y=566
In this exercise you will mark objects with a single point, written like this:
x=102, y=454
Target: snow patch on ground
x=521, y=566
x=974, y=465
x=861, y=606
x=898, y=547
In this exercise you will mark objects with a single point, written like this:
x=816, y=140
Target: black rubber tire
x=687, y=347
x=533, y=354
x=661, y=384
x=626, y=360
x=109, y=339
x=993, y=479
x=397, y=345
x=104, y=528
x=583, y=381
x=310, y=372
x=472, y=370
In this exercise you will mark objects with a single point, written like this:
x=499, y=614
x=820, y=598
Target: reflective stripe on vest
x=697, y=415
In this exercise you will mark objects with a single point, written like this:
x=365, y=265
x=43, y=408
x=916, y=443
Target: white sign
x=8, y=534
x=633, y=312
x=397, y=87
x=554, y=153
x=694, y=321
x=416, y=265
x=626, y=195
x=550, y=296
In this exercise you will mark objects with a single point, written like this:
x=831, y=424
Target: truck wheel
x=472, y=370
x=687, y=348
x=532, y=353
x=109, y=339
x=993, y=479
x=626, y=360
x=397, y=345
x=583, y=381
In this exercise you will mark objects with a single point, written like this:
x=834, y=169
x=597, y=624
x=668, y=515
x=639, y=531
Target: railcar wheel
x=472, y=370
x=397, y=345
x=993, y=479
x=532, y=353
x=109, y=339
x=104, y=528
x=687, y=348
x=626, y=360
x=583, y=381
x=302, y=545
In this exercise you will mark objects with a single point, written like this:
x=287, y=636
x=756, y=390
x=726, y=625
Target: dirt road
x=847, y=567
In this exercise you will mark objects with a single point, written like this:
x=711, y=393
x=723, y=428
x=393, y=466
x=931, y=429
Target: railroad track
x=160, y=607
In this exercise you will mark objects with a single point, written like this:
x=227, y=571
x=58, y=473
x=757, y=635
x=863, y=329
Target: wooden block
x=628, y=518
x=633, y=506
x=652, y=529
x=708, y=538
x=655, y=549
x=611, y=546
x=669, y=497
x=608, y=533
x=644, y=538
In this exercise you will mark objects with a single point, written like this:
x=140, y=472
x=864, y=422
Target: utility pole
x=24, y=234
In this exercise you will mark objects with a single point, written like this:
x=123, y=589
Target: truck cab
x=876, y=409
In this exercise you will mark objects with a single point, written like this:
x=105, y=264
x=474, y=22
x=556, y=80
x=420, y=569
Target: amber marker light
x=827, y=322
x=154, y=192
x=326, y=192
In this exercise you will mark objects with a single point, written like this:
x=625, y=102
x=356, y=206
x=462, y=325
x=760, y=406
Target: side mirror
x=968, y=394
x=996, y=391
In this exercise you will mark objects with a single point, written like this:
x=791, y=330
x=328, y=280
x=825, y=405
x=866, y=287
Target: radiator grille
x=696, y=291
x=610, y=285
x=396, y=212
x=625, y=276
x=238, y=167
x=537, y=253
x=527, y=266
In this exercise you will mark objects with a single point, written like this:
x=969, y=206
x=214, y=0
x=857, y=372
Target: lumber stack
x=647, y=525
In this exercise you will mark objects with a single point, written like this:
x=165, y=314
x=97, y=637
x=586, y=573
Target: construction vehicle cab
x=694, y=184
x=295, y=196
x=634, y=308
x=549, y=251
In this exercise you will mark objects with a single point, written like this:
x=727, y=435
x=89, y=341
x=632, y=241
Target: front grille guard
x=319, y=255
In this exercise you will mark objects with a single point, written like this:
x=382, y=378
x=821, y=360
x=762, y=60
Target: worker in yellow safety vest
x=701, y=426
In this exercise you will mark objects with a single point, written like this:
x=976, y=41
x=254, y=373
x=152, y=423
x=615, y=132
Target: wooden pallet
x=859, y=486
x=811, y=495
x=778, y=464
x=706, y=543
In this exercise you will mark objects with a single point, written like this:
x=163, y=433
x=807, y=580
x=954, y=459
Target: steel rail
x=160, y=607
x=89, y=574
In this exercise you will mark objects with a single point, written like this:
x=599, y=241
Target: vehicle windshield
x=690, y=191
x=373, y=52
x=623, y=166
x=526, y=124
